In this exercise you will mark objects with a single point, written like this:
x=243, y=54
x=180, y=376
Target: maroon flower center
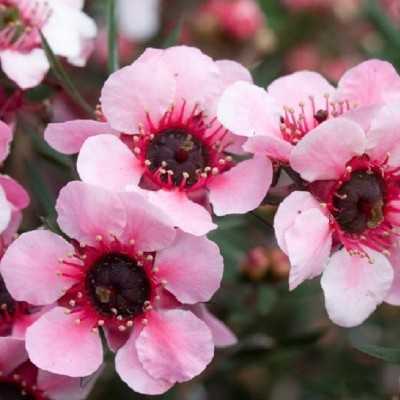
x=14, y=391
x=117, y=285
x=359, y=203
x=180, y=154
x=7, y=303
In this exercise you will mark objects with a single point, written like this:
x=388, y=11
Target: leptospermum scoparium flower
x=126, y=271
x=21, y=380
x=160, y=136
x=351, y=208
x=276, y=119
x=68, y=30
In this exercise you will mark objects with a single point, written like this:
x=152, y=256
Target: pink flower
x=20, y=379
x=240, y=19
x=351, y=207
x=125, y=271
x=277, y=119
x=13, y=199
x=161, y=136
x=22, y=57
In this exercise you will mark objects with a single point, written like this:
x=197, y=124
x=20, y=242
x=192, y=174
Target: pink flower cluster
x=179, y=138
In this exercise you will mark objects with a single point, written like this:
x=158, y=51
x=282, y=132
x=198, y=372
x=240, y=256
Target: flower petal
x=252, y=177
x=15, y=193
x=309, y=243
x=222, y=335
x=354, y=286
x=294, y=204
x=192, y=268
x=146, y=224
x=68, y=137
x=34, y=257
x=384, y=135
x=369, y=83
x=274, y=147
x=86, y=211
x=131, y=371
x=5, y=211
x=59, y=387
x=297, y=88
x=183, y=213
x=130, y=93
x=105, y=161
x=56, y=343
x=12, y=354
x=6, y=136
x=232, y=71
x=248, y=110
x=323, y=154
x=175, y=346
x=27, y=70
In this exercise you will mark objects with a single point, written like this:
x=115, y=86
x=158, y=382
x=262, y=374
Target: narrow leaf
x=388, y=354
x=173, y=38
x=113, y=59
x=63, y=77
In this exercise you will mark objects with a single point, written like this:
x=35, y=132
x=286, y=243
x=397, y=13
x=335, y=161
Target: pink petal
x=8, y=235
x=291, y=90
x=323, y=154
x=85, y=212
x=5, y=140
x=59, y=387
x=290, y=208
x=252, y=177
x=105, y=161
x=5, y=211
x=309, y=243
x=15, y=193
x=222, y=335
x=68, y=137
x=199, y=84
x=115, y=338
x=182, y=212
x=248, y=110
x=393, y=296
x=354, y=287
x=175, y=346
x=34, y=257
x=27, y=70
x=131, y=92
x=192, y=268
x=371, y=82
x=131, y=371
x=146, y=224
x=12, y=354
x=384, y=135
x=57, y=344
x=232, y=71
x=274, y=147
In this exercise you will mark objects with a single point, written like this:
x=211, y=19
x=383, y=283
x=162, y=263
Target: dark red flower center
x=179, y=153
x=359, y=202
x=7, y=303
x=117, y=285
x=14, y=391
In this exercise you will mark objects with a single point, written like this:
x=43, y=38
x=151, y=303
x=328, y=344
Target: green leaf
x=267, y=298
x=173, y=37
x=113, y=58
x=63, y=77
x=376, y=15
x=388, y=354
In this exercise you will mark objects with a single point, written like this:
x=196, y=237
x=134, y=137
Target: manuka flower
x=163, y=138
x=125, y=271
x=68, y=30
x=21, y=380
x=350, y=207
x=275, y=120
